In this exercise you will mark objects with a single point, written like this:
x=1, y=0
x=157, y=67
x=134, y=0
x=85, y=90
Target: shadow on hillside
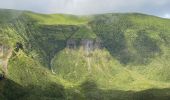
x=145, y=48
x=54, y=41
x=137, y=47
x=10, y=90
x=92, y=92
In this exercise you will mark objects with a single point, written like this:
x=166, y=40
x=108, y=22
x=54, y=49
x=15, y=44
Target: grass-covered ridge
x=54, y=19
x=132, y=64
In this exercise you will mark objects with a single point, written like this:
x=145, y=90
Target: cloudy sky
x=155, y=7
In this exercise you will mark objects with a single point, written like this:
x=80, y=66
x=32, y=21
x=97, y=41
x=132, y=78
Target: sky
x=83, y=7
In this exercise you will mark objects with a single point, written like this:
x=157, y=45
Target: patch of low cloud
x=166, y=16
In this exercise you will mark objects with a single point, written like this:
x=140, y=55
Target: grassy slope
x=54, y=19
x=137, y=41
x=157, y=33
x=102, y=68
x=28, y=79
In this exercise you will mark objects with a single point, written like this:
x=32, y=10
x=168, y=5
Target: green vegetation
x=133, y=63
x=84, y=32
x=55, y=19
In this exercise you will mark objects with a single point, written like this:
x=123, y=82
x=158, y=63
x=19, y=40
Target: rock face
x=5, y=54
x=87, y=44
x=98, y=44
x=1, y=50
x=71, y=44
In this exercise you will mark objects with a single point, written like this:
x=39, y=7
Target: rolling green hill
x=98, y=57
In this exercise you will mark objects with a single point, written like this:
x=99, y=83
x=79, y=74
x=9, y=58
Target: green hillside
x=55, y=19
x=98, y=57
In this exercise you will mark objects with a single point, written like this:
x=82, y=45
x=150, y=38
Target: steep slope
x=136, y=40
x=27, y=77
x=102, y=57
x=102, y=68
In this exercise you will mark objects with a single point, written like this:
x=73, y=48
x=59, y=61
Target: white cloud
x=166, y=16
x=156, y=7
